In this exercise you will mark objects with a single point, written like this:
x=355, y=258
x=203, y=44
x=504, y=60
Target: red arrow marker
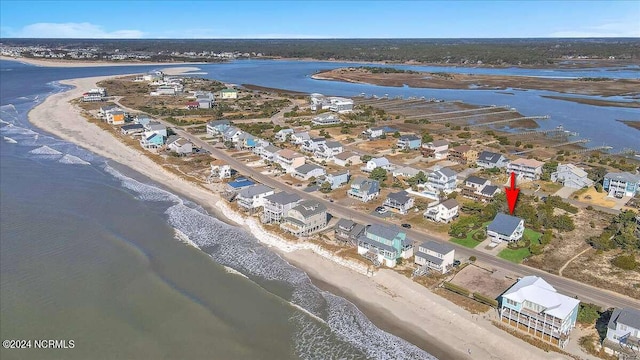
x=512, y=194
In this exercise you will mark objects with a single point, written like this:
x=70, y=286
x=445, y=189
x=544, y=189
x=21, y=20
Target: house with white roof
x=283, y=134
x=435, y=255
x=381, y=162
x=328, y=150
x=505, y=228
x=535, y=305
x=325, y=119
x=313, y=144
x=623, y=331
x=217, y=127
x=252, y=197
x=406, y=172
x=571, y=176
x=444, y=211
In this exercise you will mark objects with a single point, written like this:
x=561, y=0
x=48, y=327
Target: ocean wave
x=9, y=140
x=45, y=150
x=72, y=160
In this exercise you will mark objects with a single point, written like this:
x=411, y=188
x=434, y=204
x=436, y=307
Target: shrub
x=455, y=288
x=588, y=313
x=486, y=300
x=625, y=262
x=535, y=249
x=472, y=258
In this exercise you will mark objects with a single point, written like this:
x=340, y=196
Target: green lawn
x=516, y=256
x=469, y=241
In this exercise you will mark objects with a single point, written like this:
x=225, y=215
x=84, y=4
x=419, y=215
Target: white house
x=443, y=212
x=438, y=149
x=364, y=189
x=228, y=94
x=325, y=119
x=347, y=158
x=300, y=137
x=399, y=202
x=505, y=228
x=328, y=150
x=571, y=176
x=621, y=184
x=443, y=179
x=490, y=160
x=406, y=172
x=252, y=197
x=217, y=127
x=623, y=331
x=313, y=144
x=179, y=145
x=528, y=169
x=220, y=170
x=282, y=134
x=307, y=171
x=289, y=160
x=381, y=162
x=436, y=256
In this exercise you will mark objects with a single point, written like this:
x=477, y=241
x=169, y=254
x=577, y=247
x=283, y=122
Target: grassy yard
x=469, y=241
x=516, y=256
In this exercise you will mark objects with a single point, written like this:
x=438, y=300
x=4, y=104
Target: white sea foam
x=45, y=150
x=72, y=160
x=233, y=271
x=10, y=140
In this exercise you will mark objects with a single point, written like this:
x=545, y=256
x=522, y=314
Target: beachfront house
x=220, y=170
x=131, y=129
x=623, y=331
x=621, y=184
x=217, y=127
x=232, y=134
x=534, y=305
x=306, y=218
x=336, y=104
x=490, y=160
x=346, y=158
x=336, y=179
x=282, y=134
x=438, y=149
x=155, y=127
x=505, y=228
x=228, y=94
x=381, y=162
x=399, y=202
x=152, y=141
x=246, y=141
x=444, y=211
x=526, y=169
x=104, y=110
x=436, y=256
x=325, y=119
x=164, y=90
x=277, y=205
x=409, y=142
x=348, y=231
x=463, y=154
x=116, y=117
x=385, y=244
x=142, y=119
x=238, y=184
x=179, y=145
x=252, y=197
x=364, y=189
x=95, y=94
x=300, y=137
x=328, y=150
x=307, y=171
x=571, y=176
x=289, y=160
x=442, y=180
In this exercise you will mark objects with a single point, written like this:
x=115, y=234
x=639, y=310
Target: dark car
x=406, y=226
x=379, y=208
x=456, y=262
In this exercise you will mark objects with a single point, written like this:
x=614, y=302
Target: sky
x=318, y=19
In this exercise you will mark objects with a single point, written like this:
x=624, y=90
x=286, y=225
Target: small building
x=376, y=132
x=336, y=179
x=384, y=244
x=191, y=105
x=381, y=162
x=444, y=212
x=326, y=119
x=116, y=117
x=347, y=158
x=348, y=231
x=478, y=189
x=132, y=129
x=307, y=171
x=505, y=228
x=165, y=90
x=436, y=256
x=277, y=205
x=306, y=218
x=438, y=149
x=406, y=172
x=621, y=184
x=463, y=154
x=533, y=304
x=179, y=145
x=328, y=150
x=527, y=169
x=220, y=170
x=239, y=184
x=252, y=197
x=282, y=134
x=490, y=160
x=289, y=160
x=228, y=94
x=399, y=202
x=300, y=137
x=217, y=127
x=443, y=179
x=571, y=176
x=409, y=142
x=364, y=189
x=623, y=331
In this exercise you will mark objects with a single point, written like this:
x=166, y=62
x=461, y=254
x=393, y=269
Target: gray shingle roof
x=376, y=244
x=624, y=176
x=626, y=316
x=401, y=197
x=308, y=208
x=476, y=180
x=307, y=168
x=449, y=203
x=447, y=172
x=504, y=224
x=409, y=137
x=489, y=190
x=438, y=247
x=283, y=198
x=254, y=190
x=272, y=149
x=345, y=224
x=429, y=258
x=490, y=157
x=387, y=232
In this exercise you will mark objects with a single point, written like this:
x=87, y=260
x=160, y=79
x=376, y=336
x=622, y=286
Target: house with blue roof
x=153, y=141
x=505, y=228
x=239, y=184
x=217, y=127
x=384, y=244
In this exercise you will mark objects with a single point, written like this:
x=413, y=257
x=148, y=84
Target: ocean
x=94, y=252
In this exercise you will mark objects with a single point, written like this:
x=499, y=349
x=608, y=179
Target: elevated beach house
x=116, y=117
x=277, y=205
x=623, y=331
x=283, y=134
x=505, y=228
x=438, y=149
x=385, y=244
x=313, y=144
x=306, y=218
x=364, y=189
x=346, y=158
x=381, y=162
x=217, y=127
x=436, y=256
x=307, y=171
x=289, y=160
x=571, y=176
x=463, y=154
x=443, y=179
x=325, y=119
x=399, y=202
x=336, y=179
x=621, y=184
x=443, y=212
x=536, y=306
x=220, y=170
x=299, y=137
x=478, y=189
x=490, y=160
x=179, y=145
x=252, y=197
x=527, y=169
x=328, y=150
x=348, y=231
x=409, y=142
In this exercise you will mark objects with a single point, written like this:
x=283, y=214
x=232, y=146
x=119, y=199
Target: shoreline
x=396, y=301
x=85, y=63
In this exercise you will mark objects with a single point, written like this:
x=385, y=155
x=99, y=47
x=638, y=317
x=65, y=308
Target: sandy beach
x=81, y=63
x=391, y=300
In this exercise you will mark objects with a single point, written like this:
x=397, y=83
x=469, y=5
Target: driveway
x=565, y=192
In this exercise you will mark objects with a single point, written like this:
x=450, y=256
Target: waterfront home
x=490, y=160
x=328, y=150
x=406, y=172
x=526, y=169
x=364, y=189
x=621, y=184
x=277, y=205
x=132, y=129
x=438, y=149
x=282, y=134
x=325, y=119
x=155, y=127
x=220, y=170
x=444, y=212
x=381, y=162
x=300, y=137
x=252, y=197
x=142, y=119
x=306, y=218
x=505, y=228
x=267, y=153
x=152, y=141
x=307, y=171
x=335, y=104
x=179, y=145
x=409, y=142
x=228, y=94
x=623, y=331
x=312, y=145
x=443, y=179
x=399, y=202
x=463, y=154
x=346, y=158
x=436, y=256
x=385, y=244
x=478, y=189
x=348, y=231
x=164, y=90
x=95, y=94
x=376, y=132
x=217, y=127
x=534, y=305
x=104, y=110
x=289, y=160
x=116, y=117
x=571, y=176
x=336, y=179
x=260, y=145
x=239, y=184
x=205, y=99
x=317, y=102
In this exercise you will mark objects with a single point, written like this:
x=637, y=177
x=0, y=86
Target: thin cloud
x=72, y=30
x=611, y=29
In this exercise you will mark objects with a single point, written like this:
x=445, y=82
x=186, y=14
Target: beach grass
x=517, y=255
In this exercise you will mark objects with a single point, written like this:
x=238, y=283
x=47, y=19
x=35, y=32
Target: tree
x=325, y=187
x=312, y=180
x=588, y=313
x=396, y=134
x=625, y=262
x=426, y=138
x=365, y=158
x=547, y=169
x=419, y=178
x=379, y=174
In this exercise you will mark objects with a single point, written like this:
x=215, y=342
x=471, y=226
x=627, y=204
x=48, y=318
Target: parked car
x=406, y=226
x=456, y=262
x=381, y=210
